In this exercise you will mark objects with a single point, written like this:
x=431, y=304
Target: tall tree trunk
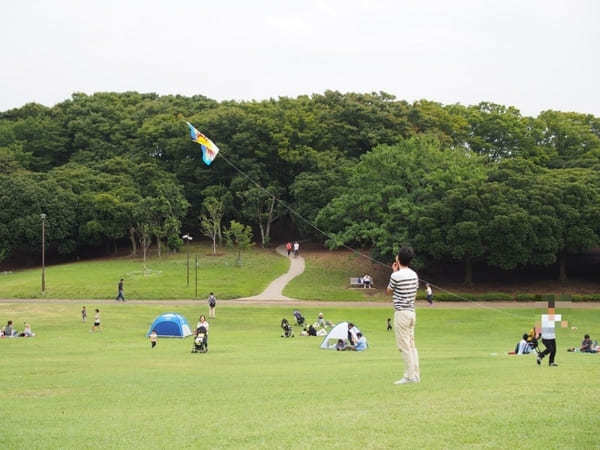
x=468, y=272
x=262, y=233
x=115, y=249
x=562, y=276
x=158, y=244
x=145, y=247
x=133, y=241
x=214, y=244
x=270, y=219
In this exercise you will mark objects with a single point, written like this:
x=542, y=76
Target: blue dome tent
x=170, y=325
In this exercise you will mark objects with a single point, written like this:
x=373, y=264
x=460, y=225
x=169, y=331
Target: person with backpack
x=212, y=303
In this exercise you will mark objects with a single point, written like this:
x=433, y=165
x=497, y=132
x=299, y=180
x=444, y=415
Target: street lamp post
x=187, y=238
x=43, y=217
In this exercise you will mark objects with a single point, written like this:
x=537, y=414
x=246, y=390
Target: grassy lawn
x=326, y=277
x=165, y=277
x=69, y=388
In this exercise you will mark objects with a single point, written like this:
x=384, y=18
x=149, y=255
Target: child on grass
x=96, y=322
x=83, y=314
x=153, y=338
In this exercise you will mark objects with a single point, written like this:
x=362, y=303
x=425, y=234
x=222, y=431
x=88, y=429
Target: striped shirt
x=404, y=284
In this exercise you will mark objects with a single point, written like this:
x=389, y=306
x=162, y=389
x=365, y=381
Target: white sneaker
x=405, y=380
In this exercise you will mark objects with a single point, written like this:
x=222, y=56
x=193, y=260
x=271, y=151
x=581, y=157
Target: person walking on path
x=288, y=247
x=120, y=295
x=429, y=293
x=83, y=314
x=296, y=248
x=403, y=285
x=212, y=304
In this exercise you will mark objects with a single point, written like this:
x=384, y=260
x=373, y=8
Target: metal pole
x=188, y=261
x=196, y=277
x=43, y=216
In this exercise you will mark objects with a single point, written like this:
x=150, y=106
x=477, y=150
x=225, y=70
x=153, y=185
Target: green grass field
x=69, y=388
x=165, y=278
x=326, y=277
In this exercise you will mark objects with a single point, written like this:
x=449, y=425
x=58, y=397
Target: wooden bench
x=355, y=282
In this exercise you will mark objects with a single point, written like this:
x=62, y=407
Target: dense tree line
x=459, y=183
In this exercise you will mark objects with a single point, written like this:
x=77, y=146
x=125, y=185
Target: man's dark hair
x=587, y=336
x=525, y=336
x=405, y=255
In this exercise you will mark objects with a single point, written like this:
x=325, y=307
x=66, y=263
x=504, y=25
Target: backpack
x=212, y=301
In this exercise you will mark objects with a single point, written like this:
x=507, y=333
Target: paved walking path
x=274, y=291
x=309, y=303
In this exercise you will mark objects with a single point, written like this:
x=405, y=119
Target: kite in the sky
x=209, y=149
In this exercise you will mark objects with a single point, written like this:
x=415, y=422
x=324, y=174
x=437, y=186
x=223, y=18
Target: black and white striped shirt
x=404, y=284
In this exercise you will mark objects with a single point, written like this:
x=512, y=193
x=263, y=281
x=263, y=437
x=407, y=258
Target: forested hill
x=459, y=183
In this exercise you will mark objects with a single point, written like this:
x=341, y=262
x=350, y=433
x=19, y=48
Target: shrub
x=527, y=297
x=586, y=298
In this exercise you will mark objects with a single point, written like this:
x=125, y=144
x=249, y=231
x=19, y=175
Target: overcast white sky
x=533, y=54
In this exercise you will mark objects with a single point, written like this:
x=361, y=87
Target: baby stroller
x=287, y=329
x=532, y=340
x=200, y=341
x=299, y=317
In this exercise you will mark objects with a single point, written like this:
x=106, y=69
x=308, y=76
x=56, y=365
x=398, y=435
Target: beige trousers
x=404, y=329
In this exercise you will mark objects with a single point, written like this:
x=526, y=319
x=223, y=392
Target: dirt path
x=273, y=292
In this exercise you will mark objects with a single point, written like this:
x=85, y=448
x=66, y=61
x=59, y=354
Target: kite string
x=374, y=260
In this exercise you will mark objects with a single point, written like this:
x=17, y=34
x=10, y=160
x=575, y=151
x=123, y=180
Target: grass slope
x=326, y=277
x=69, y=388
x=165, y=277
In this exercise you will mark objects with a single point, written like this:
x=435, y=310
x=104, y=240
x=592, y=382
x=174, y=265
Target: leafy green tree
x=391, y=189
x=570, y=139
x=239, y=237
x=211, y=221
x=572, y=206
x=259, y=204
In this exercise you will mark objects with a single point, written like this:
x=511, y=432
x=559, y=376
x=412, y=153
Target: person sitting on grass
x=340, y=346
x=522, y=347
x=324, y=323
x=360, y=346
x=352, y=333
x=27, y=331
x=309, y=331
x=587, y=346
x=9, y=331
